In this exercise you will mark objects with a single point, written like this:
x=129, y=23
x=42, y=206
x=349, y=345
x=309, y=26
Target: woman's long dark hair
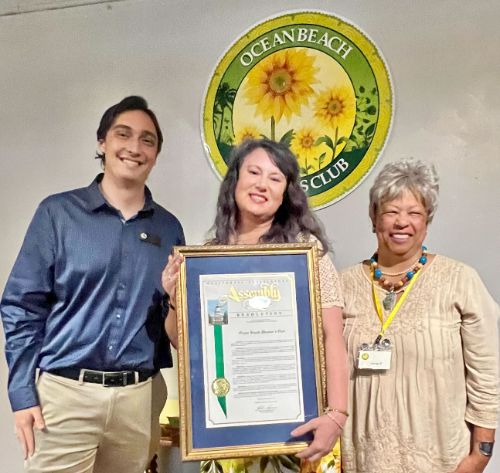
x=293, y=216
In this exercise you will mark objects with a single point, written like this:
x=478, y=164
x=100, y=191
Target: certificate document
x=251, y=349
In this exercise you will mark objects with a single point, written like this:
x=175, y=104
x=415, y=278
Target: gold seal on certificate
x=220, y=386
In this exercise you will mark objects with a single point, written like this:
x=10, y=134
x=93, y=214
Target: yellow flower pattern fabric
x=330, y=463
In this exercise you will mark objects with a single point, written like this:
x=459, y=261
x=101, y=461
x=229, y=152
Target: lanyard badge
x=377, y=356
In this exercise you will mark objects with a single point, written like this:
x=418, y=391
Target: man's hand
x=472, y=463
x=326, y=432
x=25, y=421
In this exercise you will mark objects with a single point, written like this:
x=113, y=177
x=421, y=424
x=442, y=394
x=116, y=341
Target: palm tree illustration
x=224, y=99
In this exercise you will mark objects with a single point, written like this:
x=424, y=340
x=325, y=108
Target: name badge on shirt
x=374, y=357
x=150, y=238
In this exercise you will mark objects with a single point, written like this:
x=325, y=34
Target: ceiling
x=17, y=7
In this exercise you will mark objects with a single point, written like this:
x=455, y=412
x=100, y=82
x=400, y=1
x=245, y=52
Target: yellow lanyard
x=393, y=312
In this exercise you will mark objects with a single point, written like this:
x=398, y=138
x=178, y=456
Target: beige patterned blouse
x=444, y=372
x=331, y=294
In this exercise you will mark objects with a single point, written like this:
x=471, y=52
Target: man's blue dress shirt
x=85, y=291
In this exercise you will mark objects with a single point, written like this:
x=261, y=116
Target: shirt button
x=118, y=316
x=143, y=236
x=110, y=347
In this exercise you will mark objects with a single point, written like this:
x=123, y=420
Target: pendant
x=389, y=300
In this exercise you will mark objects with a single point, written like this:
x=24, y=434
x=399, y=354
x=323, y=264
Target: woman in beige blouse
x=261, y=201
x=421, y=331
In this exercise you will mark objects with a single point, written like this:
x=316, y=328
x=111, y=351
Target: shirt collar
x=96, y=200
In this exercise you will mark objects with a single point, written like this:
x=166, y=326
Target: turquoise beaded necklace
x=378, y=275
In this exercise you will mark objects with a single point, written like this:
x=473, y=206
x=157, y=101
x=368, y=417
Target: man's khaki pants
x=97, y=429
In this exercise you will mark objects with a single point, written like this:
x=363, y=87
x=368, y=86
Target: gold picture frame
x=250, y=354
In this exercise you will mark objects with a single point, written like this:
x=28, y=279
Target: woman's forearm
x=336, y=359
x=171, y=327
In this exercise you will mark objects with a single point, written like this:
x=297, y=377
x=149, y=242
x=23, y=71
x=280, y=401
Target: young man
x=85, y=305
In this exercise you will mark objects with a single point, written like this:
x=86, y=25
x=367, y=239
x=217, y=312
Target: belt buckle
x=114, y=375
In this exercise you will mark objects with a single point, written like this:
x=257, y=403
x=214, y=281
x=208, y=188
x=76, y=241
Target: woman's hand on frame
x=326, y=432
x=170, y=275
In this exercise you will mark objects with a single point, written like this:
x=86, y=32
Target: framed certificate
x=251, y=361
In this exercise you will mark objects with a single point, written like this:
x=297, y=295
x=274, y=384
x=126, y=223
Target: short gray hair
x=419, y=177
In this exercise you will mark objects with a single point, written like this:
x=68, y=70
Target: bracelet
x=330, y=416
x=333, y=409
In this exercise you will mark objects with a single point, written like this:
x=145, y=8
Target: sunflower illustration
x=281, y=84
x=302, y=146
x=248, y=132
x=336, y=106
x=303, y=143
x=311, y=155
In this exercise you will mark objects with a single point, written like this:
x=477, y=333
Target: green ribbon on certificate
x=220, y=385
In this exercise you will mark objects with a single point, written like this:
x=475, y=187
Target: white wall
x=60, y=69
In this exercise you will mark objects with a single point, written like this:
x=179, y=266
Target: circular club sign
x=313, y=82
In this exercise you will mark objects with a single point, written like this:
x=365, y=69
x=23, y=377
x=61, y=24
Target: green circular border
x=372, y=56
